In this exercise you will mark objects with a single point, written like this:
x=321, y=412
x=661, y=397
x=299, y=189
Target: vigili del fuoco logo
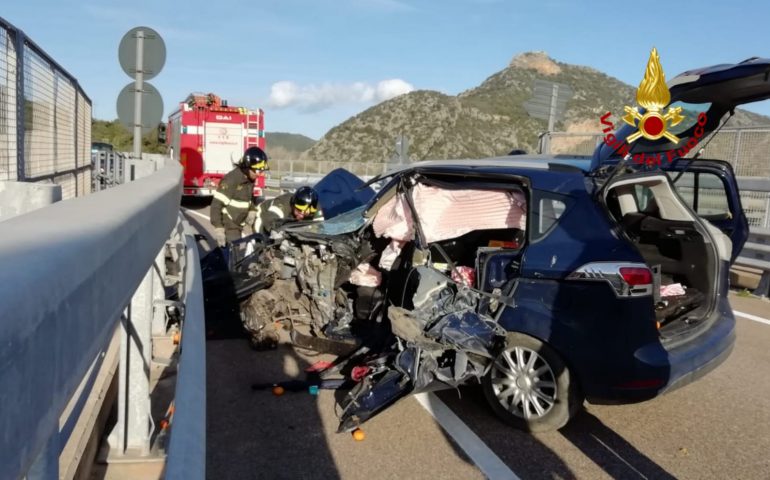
x=656, y=121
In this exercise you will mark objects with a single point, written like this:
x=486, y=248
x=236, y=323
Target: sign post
x=142, y=54
x=137, y=152
x=548, y=102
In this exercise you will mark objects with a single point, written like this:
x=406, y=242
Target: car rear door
x=710, y=188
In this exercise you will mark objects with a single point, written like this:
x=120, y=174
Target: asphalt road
x=717, y=427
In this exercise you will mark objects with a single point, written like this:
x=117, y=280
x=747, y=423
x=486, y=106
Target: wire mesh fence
x=757, y=207
x=7, y=106
x=45, y=118
x=280, y=168
x=569, y=143
x=747, y=149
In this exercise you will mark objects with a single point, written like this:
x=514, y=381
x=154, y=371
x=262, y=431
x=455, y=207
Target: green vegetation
x=292, y=142
x=280, y=145
x=121, y=139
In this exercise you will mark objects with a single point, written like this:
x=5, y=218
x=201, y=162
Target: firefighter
x=300, y=205
x=232, y=211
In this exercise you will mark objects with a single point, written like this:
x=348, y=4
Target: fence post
x=736, y=155
x=766, y=223
x=20, y=110
x=544, y=145
x=75, y=147
x=55, y=125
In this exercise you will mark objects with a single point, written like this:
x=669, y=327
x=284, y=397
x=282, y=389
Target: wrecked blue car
x=548, y=280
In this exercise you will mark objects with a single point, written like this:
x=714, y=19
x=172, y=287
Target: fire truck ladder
x=252, y=140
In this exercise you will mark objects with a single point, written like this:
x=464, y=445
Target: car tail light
x=636, y=275
x=626, y=279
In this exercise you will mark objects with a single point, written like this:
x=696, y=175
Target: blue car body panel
x=340, y=191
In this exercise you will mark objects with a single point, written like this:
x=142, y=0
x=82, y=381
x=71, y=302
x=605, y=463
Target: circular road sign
x=154, y=52
x=152, y=107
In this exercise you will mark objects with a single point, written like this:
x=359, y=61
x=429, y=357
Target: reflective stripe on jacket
x=232, y=200
x=270, y=213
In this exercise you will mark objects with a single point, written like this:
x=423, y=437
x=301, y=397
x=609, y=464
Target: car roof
x=539, y=162
x=558, y=173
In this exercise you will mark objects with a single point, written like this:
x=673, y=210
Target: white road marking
x=752, y=317
x=484, y=458
x=193, y=212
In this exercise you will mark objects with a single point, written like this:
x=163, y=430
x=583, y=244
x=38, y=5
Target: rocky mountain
x=484, y=121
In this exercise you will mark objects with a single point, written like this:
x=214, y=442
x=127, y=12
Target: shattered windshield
x=347, y=222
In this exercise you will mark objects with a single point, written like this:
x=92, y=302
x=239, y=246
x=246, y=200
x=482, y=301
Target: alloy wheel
x=524, y=383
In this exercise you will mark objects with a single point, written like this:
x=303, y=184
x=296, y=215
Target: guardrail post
x=131, y=435
x=159, y=292
x=140, y=356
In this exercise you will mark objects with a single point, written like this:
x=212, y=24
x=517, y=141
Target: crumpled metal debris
x=303, y=288
x=442, y=341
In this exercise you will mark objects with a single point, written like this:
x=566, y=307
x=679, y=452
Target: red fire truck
x=208, y=137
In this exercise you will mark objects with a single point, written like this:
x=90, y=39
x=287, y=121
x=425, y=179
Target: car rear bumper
x=658, y=369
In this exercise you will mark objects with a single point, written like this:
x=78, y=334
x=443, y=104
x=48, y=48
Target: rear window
x=703, y=192
x=643, y=196
x=547, y=209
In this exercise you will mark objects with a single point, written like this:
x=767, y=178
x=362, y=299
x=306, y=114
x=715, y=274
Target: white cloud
x=388, y=89
x=313, y=98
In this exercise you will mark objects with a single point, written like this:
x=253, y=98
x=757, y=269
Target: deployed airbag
x=446, y=214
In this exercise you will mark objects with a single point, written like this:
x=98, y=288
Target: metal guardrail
x=756, y=254
x=69, y=271
x=109, y=169
x=187, y=447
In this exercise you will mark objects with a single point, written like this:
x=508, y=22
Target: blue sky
x=310, y=64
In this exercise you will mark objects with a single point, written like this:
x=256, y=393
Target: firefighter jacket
x=272, y=213
x=232, y=200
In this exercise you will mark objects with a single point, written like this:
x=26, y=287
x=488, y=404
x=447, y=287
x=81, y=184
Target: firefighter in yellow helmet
x=232, y=211
x=300, y=205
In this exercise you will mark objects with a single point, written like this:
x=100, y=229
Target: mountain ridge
x=485, y=120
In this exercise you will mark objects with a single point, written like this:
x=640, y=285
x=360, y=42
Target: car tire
x=530, y=387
